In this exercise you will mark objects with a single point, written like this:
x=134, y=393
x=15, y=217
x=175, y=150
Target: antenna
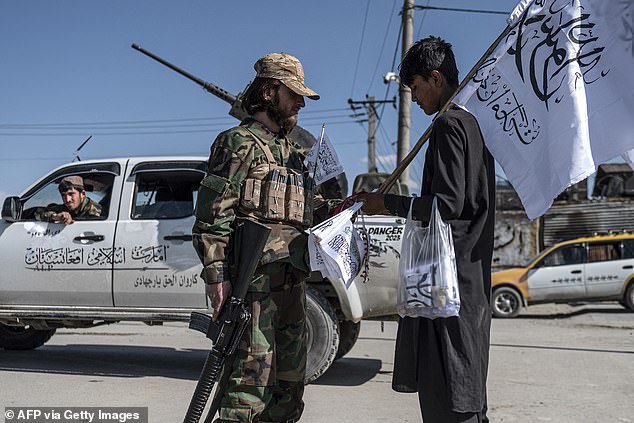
x=76, y=153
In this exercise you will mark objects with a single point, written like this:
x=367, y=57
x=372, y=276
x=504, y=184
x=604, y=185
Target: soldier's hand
x=218, y=294
x=63, y=217
x=373, y=203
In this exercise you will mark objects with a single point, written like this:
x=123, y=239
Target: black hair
x=426, y=55
x=253, y=99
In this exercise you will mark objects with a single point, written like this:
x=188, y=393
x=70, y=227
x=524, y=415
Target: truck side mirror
x=12, y=209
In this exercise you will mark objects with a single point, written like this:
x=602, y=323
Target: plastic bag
x=428, y=280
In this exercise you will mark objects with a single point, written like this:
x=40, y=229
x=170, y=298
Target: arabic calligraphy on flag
x=555, y=99
x=322, y=159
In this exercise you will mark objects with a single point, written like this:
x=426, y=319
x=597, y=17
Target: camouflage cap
x=287, y=69
x=69, y=182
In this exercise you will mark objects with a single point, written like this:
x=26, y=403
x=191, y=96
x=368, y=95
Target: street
x=554, y=363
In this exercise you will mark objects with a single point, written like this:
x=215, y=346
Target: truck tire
x=348, y=335
x=628, y=299
x=23, y=338
x=322, y=334
x=506, y=302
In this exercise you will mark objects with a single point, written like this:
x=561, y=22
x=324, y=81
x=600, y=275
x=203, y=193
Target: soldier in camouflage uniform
x=76, y=203
x=255, y=171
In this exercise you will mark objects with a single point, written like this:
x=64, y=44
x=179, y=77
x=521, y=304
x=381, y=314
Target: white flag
x=556, y=97
x=322, y=159
x=335, y=247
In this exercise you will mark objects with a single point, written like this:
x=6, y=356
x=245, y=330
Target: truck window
x=603, y=252
x=165, y=194
x=570, y=254
x=628, y=249
x=98, y=188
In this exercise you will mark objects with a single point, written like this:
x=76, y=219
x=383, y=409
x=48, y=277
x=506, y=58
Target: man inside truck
x=75, y=203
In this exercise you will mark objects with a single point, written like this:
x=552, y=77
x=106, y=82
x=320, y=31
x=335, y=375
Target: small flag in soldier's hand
x=322, y=160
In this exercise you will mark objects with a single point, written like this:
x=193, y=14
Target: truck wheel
x=23, y=338
x=506, y=302
x=628, y=300
x=348, y=335
x=322, y=334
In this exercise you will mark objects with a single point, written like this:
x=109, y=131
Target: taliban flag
x=555, y=98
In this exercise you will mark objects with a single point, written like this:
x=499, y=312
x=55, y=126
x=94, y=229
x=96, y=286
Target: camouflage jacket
x=233, y=154
x=87, y=208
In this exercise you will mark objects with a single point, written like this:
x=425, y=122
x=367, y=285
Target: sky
x=67, y=72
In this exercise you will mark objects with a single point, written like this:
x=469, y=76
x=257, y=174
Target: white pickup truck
x=136, y=261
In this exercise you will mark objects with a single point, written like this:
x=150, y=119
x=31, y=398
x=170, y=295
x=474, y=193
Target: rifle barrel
x=208, y=86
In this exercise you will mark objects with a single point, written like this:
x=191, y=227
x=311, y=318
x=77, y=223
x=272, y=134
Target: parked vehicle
x=136, y=261
x=595, y=268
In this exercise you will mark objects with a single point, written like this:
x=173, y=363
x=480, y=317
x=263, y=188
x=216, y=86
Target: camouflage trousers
x=267, y=377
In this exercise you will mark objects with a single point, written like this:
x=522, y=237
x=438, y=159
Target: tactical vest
x=275, y=193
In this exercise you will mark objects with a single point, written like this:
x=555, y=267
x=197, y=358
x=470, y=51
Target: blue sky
x=67, y=72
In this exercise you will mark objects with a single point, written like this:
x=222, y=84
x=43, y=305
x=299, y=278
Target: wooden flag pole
x=387, y=184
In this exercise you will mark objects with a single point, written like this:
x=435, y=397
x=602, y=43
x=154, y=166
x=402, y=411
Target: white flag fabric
x=322, y=159
x=555, y=99
x=629, y=158
x=335, y=247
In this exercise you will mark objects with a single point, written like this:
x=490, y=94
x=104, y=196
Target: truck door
x=45, y=263
x=559, y=275
x=378, y=297
x=607, y=269
x=161, y=268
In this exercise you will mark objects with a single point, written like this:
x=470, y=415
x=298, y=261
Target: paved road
x=552, y=364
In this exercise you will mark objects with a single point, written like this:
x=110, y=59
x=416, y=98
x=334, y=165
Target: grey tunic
x=446, y=360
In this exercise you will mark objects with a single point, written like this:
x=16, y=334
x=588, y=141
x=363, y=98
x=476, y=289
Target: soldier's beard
x=286, y=123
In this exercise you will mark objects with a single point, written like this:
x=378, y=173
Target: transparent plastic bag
x=428, y=280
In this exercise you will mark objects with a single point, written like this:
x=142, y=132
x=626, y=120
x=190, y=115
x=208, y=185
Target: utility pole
x=370, y=106
x=371, y=136
x=405, y=97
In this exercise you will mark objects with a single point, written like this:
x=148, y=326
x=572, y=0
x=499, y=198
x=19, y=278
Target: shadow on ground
x=350, y=372
x=534, y=314
x=106, y=361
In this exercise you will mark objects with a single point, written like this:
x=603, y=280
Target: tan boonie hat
x=287, y=69
x=69, y=182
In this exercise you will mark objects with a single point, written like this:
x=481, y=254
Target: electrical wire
x=422, y=20
x=356, y=67
x=378, y=60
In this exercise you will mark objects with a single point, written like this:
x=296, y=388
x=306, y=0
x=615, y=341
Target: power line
x=453, y=9
x=356, y=67
x=422, y=20
x=133, y=122
x=378, y=60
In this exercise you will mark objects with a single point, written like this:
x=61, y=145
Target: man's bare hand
x=63, y=217
x=218, y=294
x=373, y=203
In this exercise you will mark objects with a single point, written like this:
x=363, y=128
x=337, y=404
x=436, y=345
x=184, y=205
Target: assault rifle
x=226, y=332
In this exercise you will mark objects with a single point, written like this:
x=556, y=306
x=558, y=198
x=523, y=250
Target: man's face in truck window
x=73, y=198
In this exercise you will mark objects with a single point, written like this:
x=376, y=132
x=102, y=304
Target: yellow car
x=596, y=268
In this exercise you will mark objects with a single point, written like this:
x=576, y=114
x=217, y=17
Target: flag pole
x=387, y=184
x=319, y=142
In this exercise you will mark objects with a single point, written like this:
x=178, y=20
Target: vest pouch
x=251, y=193
x=274, y=195
x=295, y=198
x=309, y=199
x=210, y=194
